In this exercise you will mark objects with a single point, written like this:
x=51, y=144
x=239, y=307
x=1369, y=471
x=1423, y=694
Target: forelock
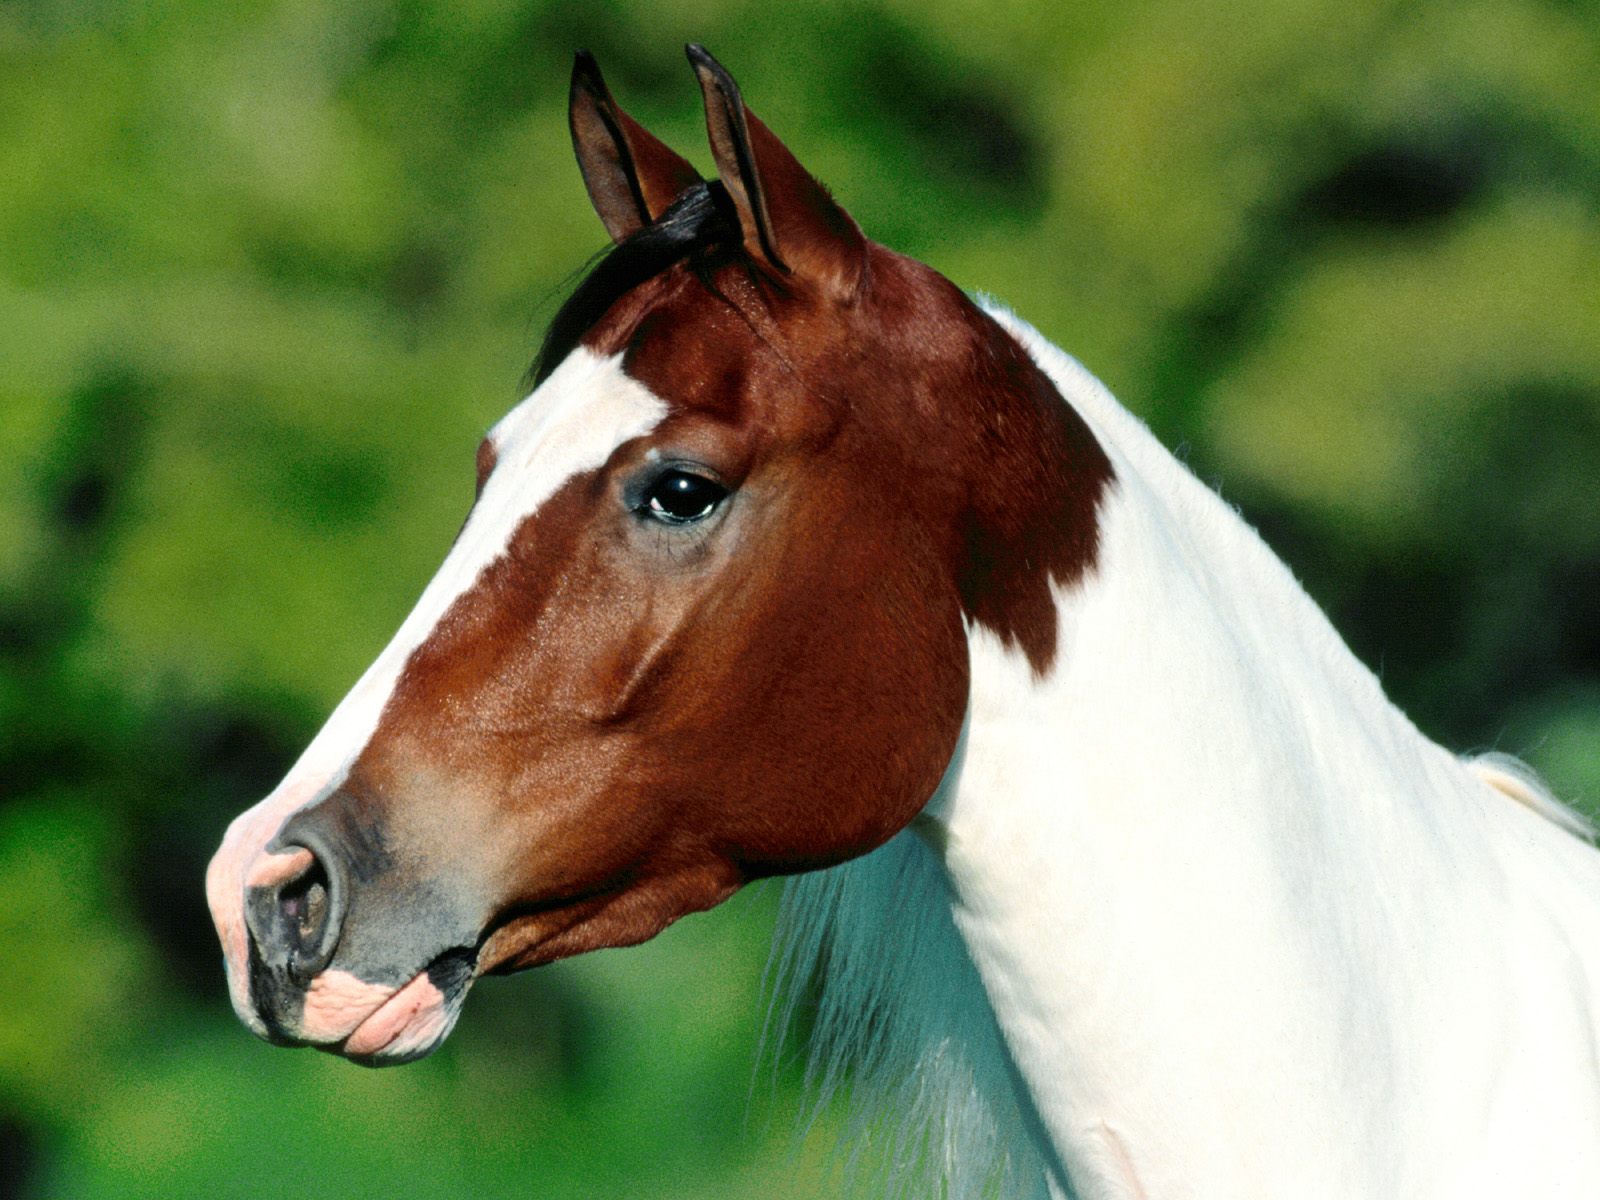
x=700, y=228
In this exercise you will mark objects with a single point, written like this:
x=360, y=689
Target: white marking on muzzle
x=573, y=423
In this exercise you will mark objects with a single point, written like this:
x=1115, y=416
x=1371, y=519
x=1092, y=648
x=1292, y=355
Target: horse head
x=706, y=620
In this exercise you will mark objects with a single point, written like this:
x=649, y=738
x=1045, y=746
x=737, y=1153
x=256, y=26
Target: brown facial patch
x=1033, y=520
x=645, y=717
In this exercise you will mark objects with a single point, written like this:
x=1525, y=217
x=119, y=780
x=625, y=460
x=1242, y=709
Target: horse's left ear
x=787, y=217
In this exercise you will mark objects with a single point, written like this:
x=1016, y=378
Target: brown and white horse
x=1124, y=878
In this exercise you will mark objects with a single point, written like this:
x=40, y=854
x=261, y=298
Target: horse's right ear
x=631, y=175
x=787, y=217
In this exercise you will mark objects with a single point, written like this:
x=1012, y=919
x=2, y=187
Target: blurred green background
x=268, y=270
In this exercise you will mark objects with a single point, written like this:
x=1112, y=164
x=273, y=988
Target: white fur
x=1244, y=930
x=572, y=423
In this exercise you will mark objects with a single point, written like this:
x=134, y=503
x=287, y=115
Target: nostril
x=292, y=911
x=304, y=904
x=305, y=914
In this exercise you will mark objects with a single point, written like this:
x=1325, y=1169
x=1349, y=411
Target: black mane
x=700, y=226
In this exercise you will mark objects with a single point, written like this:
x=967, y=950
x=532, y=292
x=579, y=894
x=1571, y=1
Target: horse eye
x=681, y=498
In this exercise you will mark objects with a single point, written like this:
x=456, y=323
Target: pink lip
x=372, y=1021
x=406, y=1025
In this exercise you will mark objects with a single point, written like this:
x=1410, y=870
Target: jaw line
x=514, y=946
x=518, y=942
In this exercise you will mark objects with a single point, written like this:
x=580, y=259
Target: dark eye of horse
x=681, y=498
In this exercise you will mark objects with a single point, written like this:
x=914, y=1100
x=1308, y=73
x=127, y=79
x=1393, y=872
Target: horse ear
x=787, y=217
x=631, y=175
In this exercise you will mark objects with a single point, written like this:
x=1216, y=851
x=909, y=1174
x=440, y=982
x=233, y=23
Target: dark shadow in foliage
x=85, y=499
x=1398, y=184
x=173, y=776
x=1403, y=185
x=1516, y=495
x=97, y=448
x=19, y=635
x=54, y=741
x=537, y=1025
x=204, y=767
x=1579, y=586
x=965, y=126
x=19, y=1156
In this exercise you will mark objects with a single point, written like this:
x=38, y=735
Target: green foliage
x=268, y=269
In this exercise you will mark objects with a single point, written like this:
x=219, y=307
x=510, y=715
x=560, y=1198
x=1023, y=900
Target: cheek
x=823, y=725
x=876, y=727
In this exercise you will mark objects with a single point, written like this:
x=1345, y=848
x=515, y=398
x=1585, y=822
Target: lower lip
x=406, y=1025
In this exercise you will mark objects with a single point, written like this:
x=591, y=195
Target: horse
x=1120, y=875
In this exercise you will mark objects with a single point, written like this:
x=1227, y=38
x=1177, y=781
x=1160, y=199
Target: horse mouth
x=372, y=1024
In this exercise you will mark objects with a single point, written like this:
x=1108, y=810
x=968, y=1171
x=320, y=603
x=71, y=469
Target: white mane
x=903, y=1030
x=904, y=1025
x=1512, y=777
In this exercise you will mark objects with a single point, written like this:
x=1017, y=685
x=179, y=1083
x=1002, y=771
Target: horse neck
x=1189, y=861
